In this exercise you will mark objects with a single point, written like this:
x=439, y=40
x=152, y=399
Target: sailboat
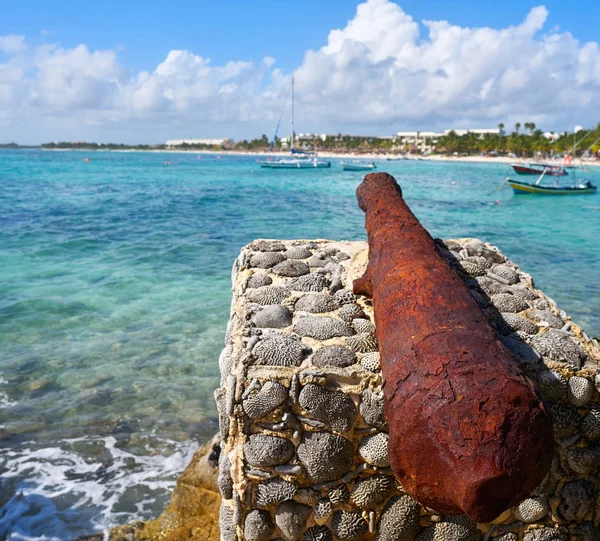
x=298, y=159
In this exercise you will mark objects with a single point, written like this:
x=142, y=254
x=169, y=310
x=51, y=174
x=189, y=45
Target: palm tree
x=517, y=127
x=501, y=127
x=532, y=126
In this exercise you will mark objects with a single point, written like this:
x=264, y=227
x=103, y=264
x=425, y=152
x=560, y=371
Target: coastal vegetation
x=525, y=140
x=531, y=143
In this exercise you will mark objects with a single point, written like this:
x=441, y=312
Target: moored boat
x=299, y=162
x=357, y=165
x=297, y=159
x=538, y=169
x=580, y=188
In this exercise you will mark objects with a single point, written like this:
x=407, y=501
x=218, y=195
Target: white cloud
x=12, y=44
x=382, y=71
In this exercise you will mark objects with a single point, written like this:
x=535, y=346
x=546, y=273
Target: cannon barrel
x=467, y=431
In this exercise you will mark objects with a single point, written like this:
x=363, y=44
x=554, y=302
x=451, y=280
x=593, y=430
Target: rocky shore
x=303, y=452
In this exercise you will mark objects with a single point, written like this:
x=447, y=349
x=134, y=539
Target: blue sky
x=244, y=29
x=53, y=90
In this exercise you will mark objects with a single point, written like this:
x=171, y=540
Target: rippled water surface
x=115, y=292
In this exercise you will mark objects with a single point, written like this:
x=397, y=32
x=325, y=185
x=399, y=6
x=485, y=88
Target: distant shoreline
x=342, y=156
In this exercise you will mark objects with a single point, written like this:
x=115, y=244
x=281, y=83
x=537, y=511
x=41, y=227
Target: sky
x=150, y=71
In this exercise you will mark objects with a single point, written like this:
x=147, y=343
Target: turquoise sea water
x=115, y=292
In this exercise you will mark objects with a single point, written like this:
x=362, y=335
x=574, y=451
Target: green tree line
x=529, y=143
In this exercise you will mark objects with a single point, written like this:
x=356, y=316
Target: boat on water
x=583, y=187
x=538, y=169
x=358, y=165
x=297, y=159
x=579, y=188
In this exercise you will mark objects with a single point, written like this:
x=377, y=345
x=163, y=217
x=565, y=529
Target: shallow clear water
x=115, y=292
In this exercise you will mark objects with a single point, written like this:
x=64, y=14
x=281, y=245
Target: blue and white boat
x=298, y=159
x=358, y=165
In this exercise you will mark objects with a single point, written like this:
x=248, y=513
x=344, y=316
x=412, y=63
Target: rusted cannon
x=467, y=432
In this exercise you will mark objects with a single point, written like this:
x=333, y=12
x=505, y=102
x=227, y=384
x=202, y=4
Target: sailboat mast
x=292, y=137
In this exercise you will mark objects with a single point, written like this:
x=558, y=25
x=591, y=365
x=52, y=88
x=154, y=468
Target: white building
x=423, y=140
x=197, y=142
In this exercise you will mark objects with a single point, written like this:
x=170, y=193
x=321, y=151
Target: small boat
x=308, y=161
x=357, y=165
x=297, y=159
x=538, y=169
x=395, y=158
x=583, y=187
